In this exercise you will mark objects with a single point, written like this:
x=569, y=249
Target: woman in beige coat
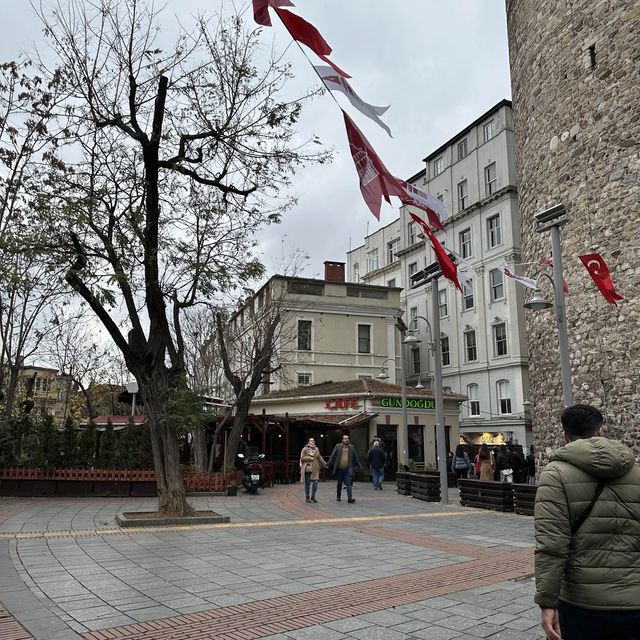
x=487, y=464
x=310, y=461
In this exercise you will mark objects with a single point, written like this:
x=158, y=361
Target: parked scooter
x=253, y=470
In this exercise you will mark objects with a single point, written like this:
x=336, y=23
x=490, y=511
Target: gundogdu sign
x=411, y=403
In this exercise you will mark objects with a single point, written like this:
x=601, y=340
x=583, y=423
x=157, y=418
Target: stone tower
x=575, y=67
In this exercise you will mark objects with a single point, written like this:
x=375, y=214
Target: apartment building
x=482, y=331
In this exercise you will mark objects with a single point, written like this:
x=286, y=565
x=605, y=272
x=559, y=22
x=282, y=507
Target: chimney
x=333, y=271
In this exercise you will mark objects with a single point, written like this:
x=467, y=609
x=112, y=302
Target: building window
x=500, y=339
x=504, y=397
x=304, y=335
x=392, y=249
x=462, y=149
x=467, y=295
x=465, y=243
x=413, y=313
x=440, y=197
x=489, y=130
x=372, y=260
x=470, y=346
x=494, y=231
x=438, y=166
x=463, y=195
x=391, y=283
x=442, y=303
x=364, y=338
x=304, y=378
x=356, y=272
x=496, y=282
x=474, y=402
x=413, y=268
x=364, y=376
x=415, y=359
x=412, y=233
x=490, y=180
x=446, y=355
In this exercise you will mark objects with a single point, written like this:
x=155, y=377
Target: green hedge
x=28, y=442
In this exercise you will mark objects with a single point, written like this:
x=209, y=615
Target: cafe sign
x=421, y=403
x=341, y=403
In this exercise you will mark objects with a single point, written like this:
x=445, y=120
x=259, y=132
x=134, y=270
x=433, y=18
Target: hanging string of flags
x=376, y=181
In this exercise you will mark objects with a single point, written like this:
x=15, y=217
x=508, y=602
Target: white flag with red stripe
x=432, y=206
x=527, y=282
x=335, y=82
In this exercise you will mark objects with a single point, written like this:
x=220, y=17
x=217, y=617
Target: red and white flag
x=307, y=34
x=432, y=206
x=376, y=182
x=335, y=82
x=527, y=282
x=465, y=269
x=599, y=272
x=548, y=262
x=261, y=10
x=447, y=266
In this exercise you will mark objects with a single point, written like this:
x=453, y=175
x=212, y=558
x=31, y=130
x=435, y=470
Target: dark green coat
x=600, y=567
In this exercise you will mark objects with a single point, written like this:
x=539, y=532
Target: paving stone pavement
x=388, y=567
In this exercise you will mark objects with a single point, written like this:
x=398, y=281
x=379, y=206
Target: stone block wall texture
x=575, y=73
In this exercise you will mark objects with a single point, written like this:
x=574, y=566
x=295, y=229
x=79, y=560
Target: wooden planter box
x=425, y=486
x=524, y=498
x=403, y=483
x=486, y=494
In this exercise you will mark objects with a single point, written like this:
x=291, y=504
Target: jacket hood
x=597, y=456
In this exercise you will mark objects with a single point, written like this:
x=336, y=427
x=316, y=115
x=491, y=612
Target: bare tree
x=28, y=289
x=185, y=152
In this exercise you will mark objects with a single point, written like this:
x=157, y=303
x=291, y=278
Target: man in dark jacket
x=587, y=519
x=376, y=459
x=344, y=461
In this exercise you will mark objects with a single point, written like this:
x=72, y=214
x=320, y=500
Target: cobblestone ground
x=388, y=567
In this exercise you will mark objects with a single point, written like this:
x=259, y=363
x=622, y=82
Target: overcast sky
x=438, y=64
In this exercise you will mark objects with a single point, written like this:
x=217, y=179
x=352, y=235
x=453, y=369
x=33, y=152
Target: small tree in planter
x=87, y=445
x=69, y=457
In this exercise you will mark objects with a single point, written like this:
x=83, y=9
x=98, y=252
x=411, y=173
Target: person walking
x=587, y=528
x=485, y=458
x=310, y=462
x=460, y=462
x=343, y=462
x=531, y=466
x=376, y=459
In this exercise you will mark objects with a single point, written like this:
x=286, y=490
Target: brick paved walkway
x=387, y=567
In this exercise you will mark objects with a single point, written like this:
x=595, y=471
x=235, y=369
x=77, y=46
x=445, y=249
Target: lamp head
x=538, y=302
x=411, y=340
x=383, y=374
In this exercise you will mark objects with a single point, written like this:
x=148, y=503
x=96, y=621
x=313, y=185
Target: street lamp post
x=551, y=220
x=403, y=439
x=436, y=349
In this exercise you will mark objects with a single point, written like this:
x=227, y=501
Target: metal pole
x=561, y=317
x=403, y=437
x=437, y=366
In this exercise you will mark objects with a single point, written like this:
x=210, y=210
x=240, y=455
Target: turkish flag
x=599, y=272
x=307, y=34
x=261, y=10
x=448, y=267
x=376, y=182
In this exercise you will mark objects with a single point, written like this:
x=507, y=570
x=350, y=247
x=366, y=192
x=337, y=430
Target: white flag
x=335, y=82
x=465, y=269
x=527, y=282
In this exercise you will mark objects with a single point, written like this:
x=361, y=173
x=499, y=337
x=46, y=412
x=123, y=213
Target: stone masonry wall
x=575, y=67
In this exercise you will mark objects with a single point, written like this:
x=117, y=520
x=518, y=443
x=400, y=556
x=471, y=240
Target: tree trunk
x=12, y=388
x=239, y=421
x=172, y=499
x=200, y=458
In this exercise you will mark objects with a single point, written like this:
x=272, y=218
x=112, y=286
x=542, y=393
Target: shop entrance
x=388, y=434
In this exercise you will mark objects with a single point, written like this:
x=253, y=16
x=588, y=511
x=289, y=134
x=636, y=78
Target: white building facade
x=482, y=331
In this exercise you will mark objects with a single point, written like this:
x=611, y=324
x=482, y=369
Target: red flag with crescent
x=599, y=272
x=261, y=10
x=448, y=267
x=307, y=34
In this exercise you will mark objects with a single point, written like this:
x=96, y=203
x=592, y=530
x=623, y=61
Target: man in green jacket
x=587, y=519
